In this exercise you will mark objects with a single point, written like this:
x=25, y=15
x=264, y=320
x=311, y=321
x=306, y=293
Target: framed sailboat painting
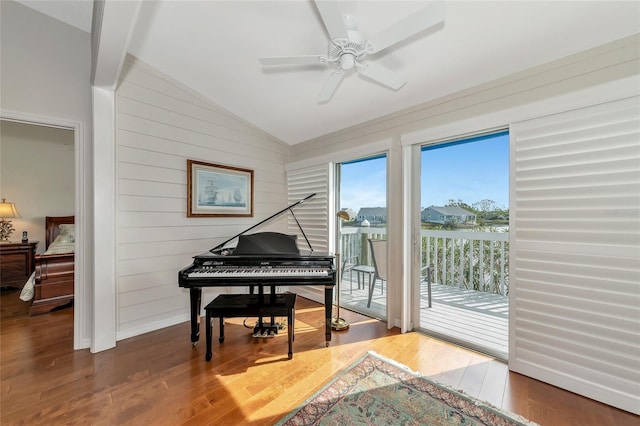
x=218, y=190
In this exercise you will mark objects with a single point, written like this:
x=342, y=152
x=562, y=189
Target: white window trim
x=494, y=121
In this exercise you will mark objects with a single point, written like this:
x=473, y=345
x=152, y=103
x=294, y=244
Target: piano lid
x=220, y=248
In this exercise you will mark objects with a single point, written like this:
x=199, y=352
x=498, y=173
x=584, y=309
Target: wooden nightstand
x=17, y=262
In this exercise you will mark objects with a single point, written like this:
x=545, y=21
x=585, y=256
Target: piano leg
x=328, y=306
x=196, y=300
x=208, y=332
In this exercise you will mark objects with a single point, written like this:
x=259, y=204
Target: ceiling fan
x=348, y=47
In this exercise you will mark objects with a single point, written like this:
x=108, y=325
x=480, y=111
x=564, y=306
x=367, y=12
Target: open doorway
x=38, y=175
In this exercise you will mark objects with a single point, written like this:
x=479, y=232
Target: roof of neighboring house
x=451, y=211
x=372, y=211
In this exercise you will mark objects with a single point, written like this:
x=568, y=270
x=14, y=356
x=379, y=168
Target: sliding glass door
x=465, y=242
x=362, y=189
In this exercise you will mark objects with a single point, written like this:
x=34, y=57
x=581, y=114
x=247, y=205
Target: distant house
x=438, y=214
x=372, y=214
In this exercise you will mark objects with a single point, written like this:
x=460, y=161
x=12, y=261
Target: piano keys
x=278, y=270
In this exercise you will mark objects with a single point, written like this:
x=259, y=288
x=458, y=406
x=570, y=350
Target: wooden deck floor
x=470, y=318
x=353, y=298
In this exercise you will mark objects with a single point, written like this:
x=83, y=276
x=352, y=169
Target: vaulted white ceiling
x=213, y=47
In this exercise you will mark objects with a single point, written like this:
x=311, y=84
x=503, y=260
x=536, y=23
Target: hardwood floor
x=159, y=378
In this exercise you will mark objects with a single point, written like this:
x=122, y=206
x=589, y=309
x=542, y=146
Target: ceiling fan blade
x=417, y=22
x=382, y=75
x=330, y=86
x=332, y=18
x=294, y=60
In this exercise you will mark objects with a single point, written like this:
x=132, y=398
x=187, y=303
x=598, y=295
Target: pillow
x=67, y=233
x=60, y=246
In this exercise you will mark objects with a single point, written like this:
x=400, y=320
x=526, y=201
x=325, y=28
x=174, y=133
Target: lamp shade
x=8, y=210
x=346, y=214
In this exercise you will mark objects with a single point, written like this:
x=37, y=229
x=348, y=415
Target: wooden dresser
x=17, y=261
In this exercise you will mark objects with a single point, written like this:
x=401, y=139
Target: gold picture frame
x=216, y=190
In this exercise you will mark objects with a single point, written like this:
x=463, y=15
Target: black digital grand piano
x=266, y=259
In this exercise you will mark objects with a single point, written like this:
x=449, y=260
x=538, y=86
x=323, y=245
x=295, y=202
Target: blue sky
x=469, y=171
x=363, y=184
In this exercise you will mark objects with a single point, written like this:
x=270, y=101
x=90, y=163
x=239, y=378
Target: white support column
x=104, y=293
x=113, y=22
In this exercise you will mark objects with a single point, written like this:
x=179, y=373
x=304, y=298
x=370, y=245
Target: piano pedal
x=267, y=330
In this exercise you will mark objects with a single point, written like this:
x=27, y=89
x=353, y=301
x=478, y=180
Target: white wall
x=37, y=174
x=45, y=65
x=44, y=78
x=160, y=124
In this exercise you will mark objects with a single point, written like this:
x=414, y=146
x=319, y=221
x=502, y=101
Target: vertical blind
x=313, y=215
x=575, y=248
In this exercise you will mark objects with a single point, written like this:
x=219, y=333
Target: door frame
x=80, y=212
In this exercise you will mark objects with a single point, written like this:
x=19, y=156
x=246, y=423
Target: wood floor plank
x=473, y=377
x=494, y=383
x=159, y=378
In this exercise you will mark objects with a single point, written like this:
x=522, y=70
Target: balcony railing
x=471, y=260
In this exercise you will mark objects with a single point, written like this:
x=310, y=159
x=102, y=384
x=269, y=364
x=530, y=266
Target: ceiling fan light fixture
x=347, y=61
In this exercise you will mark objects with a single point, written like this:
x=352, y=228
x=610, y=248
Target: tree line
x=485, y=210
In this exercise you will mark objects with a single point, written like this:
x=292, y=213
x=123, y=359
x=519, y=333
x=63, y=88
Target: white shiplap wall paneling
x=161, y=124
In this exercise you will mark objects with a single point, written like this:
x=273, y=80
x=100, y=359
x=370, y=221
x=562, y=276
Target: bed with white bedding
x=52, y=283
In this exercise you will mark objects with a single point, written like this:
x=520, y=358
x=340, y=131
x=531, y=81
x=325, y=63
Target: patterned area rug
x=379, y=391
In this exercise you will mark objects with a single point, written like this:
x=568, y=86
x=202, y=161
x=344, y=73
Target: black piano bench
x=250, y=305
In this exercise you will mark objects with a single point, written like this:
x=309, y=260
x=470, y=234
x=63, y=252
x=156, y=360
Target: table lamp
x=7, y=211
